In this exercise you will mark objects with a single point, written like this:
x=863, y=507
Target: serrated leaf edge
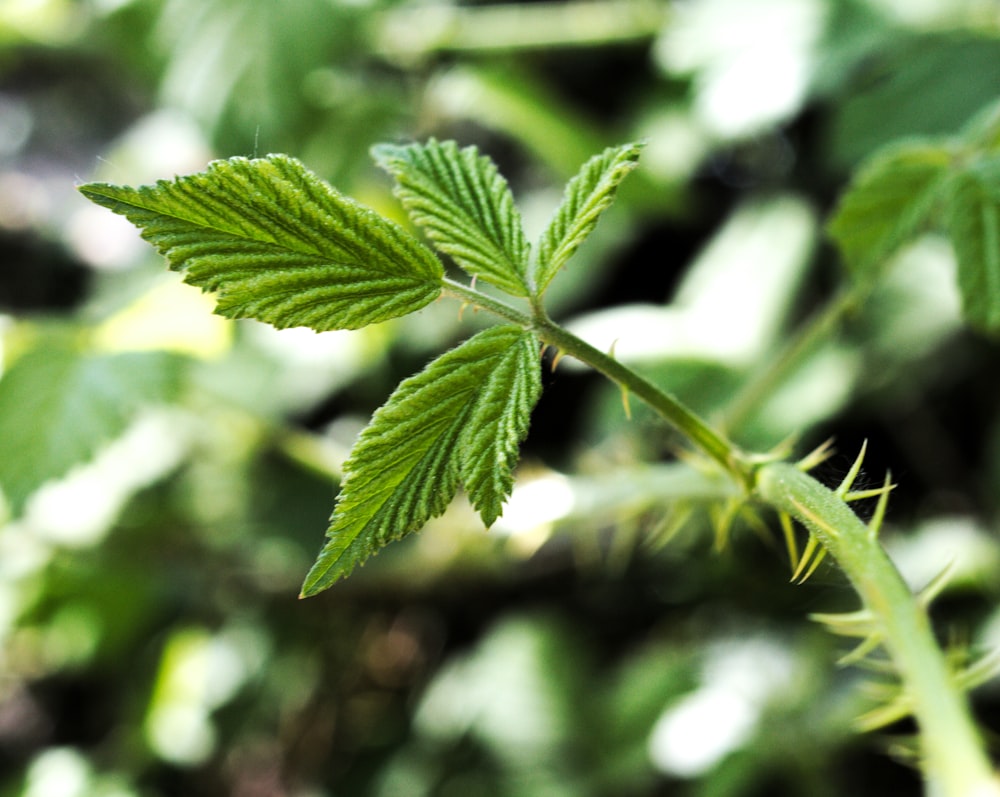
x=460, y=432
x=581, y=208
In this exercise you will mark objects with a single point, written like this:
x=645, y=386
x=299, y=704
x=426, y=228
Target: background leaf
x=974, y=227
x=280, y=245
x=887, y=202
x=587, y=196
x=465, y=206
x=58, y=407
x=460, y=419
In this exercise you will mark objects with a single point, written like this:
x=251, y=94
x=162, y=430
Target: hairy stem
x=666, y=405
x=715, y=445
x=956, y=764
x=499, y=308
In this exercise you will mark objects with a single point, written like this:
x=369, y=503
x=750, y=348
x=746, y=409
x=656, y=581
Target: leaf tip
x=490, y=514
x=387, y=156
x=98, y=192
x=316, y=583
x=313, y=586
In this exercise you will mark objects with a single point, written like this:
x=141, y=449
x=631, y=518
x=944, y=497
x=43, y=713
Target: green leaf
x=888, y=202
x=57, y=408
x=280, y=245
x=974, y=228
x=465, y=206
x=982, y=131
x=587, y=196
x=459, y=421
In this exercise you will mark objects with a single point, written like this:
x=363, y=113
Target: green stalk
x=667, y=406
x=956, y=763
x=499, y=308
x=410, y=33
x=816, y=330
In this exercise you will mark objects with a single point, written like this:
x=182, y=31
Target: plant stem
x=412, y=33
x=715, y=445
x=671, y=409
x=469, y=295
x=957, y=765
x=763, y=384
x=955, y=762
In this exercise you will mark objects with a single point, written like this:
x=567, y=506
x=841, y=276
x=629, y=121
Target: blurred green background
x=168, y=475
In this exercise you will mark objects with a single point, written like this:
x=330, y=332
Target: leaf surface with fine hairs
x=459, y=421
x=280, y=245
x=465, y=206
x=974, y=228
x=587, y=196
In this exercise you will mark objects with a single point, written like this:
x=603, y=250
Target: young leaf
x=974, y=228
x=58, y=407
x=460, y=199
x=587, y=196
x=888, y=201
x=460, y=420
x=280, y=245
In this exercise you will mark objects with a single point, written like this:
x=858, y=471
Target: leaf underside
x=887, y=203
x=586, y=197
x=459, y=421
x=280, y=245
x=465, y=206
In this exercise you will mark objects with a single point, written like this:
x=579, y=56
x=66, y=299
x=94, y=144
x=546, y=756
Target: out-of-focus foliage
x=168, y=474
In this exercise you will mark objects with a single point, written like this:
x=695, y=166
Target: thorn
x=936, y=585
x=884, y=715
x=861, y=495
x=670, y=525
x=628, y=409
x=852, y=474
x=756, y=524
x=461, y=310
x=788, y=530
x=861, y=651
x=816, y=562
x=813, y=553
x=875, y=524
x=860, y=623
x=784, y=449
x=722, y=519
x=880, y=665
x=980, y=671
x=807, y=554
x=555, y=361
x=817, y=456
